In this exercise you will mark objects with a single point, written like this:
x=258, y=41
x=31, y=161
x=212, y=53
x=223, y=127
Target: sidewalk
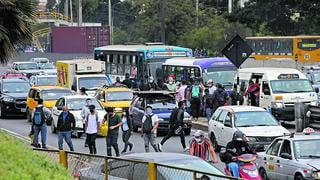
x=201, y=124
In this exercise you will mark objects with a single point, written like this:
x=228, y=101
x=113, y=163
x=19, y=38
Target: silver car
x=291, y=157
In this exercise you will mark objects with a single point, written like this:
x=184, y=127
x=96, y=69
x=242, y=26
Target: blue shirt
x=64, y=115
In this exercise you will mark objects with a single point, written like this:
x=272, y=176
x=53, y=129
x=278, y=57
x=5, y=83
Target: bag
x=104, y=129
x=147, y=124
x=178, y=130
x=195, y=92
x=221, y=98
x=173, y=116
x=38, y=118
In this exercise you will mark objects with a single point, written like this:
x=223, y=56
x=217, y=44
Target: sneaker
x=160, y=147
x=186, y=149
x=122, y=152
x=130, y=147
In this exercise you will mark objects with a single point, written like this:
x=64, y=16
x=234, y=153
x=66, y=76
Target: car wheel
x=53, y=129
x=263, y=174
x=214, y=142
x=187, y=131
x=298, y=177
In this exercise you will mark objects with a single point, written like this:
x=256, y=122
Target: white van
x=280, y=88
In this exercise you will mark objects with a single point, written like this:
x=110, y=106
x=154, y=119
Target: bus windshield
x=291, y=86
x=92, y=83
x=225, y=78
x=182, y=72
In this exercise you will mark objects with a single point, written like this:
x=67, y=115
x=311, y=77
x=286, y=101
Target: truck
x=82, y=73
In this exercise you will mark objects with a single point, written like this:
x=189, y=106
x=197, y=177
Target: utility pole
x=163, y=33
x=110, y=23
x=197, y=13
x=66, y=8
x=71, y=13
x=230, y=6
x=80, y=13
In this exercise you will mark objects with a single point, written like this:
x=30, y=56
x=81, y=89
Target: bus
x=299, y=48
x=219, y=69
x=140, y=61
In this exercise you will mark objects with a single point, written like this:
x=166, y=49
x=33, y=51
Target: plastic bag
x=104, y=129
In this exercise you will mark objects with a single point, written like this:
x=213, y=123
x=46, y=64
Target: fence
x=86, y=166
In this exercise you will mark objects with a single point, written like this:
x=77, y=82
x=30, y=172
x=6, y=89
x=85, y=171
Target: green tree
x=16, y=19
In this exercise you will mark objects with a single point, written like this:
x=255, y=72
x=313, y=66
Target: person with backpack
x=114, y=122
x=40, y=114
x=176, y=126
x=66, y=124
x=219, y=97
x=201, y=147
x=196, y=94
x=92, y=128
x=126, y=127
x=208, y=103
x=150, y=123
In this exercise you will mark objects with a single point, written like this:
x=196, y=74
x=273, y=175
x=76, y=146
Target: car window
x=216, y=114
x=31, y=93
x=228, y=119
x=60, y=102
x=274, y=148
x=286, y=148
x=222, y=116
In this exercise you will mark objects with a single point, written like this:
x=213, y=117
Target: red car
x=13, y=75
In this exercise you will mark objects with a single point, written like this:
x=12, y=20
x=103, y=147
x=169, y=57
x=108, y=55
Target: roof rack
x=114, y=86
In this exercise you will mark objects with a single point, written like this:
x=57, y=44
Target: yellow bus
x=300, y=48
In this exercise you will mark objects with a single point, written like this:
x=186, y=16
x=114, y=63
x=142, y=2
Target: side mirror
x=316, y=89
x=73, y=87
x=59, y=108
x=266, y=91
x=285, y=156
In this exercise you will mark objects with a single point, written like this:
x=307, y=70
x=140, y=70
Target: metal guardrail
x=37, y=34
x=99, y=167
x=52, y=15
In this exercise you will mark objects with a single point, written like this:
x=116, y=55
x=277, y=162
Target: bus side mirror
x=316, y=89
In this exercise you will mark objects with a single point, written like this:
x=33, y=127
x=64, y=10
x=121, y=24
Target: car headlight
x=8, y=99
x=277, y=105
x=314, y=103
x=252, y=139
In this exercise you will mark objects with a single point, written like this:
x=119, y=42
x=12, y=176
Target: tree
x=16, y=19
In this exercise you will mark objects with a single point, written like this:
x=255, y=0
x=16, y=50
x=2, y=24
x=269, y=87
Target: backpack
x=195, y=92
x=38, y=118
x=174, y=116
x=147, y=124
x=221, y=98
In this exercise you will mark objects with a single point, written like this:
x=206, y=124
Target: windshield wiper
x=263, y=125
x=299, y=91
x=282, y=92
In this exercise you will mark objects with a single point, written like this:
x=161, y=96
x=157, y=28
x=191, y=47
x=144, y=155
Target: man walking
x=114, y=122
x=84, y=113
x=219, y=97
x=208, y=103
x=92, y=128
x=40, y=114
x=176, y=125
x=149, y=127
x=66, y=123
x=196, y=94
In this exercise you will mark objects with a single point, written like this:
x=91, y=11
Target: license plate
x=23, y=110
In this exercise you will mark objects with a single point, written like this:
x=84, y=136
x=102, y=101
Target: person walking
x=92, y=128
x=212, y=88
x=201, y=147
x=150, y=123
x=176, y=126
x=208, y=103
x=126, y=127
x=40, y=114
x=114, y=122
x=66, y=123
x=181, y=91
x=84, y=113
x=196, y=94
x=219, y=97
x=127, y=81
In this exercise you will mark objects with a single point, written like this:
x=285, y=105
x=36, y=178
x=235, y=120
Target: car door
x=270, y=161
x=56, y=112
x=213, y=122
x=227, y=129
x=285, y=166
x=265, y=95
x=220, y=127
x=137, y=108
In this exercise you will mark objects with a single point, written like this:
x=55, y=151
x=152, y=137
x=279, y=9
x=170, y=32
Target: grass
x=17, y=161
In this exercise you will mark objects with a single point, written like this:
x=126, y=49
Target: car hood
x=49, y=71
x=264, y=131
x=49, y=104
x=315, y=163
x=117, y=104
x=17, y=95
x=31, y=71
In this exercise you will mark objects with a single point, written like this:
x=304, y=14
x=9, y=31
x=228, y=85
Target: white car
x=47, y=68
x=39, y=60
x=43, y=80
x=29, y=68
x=75, y=104
x=260, y=126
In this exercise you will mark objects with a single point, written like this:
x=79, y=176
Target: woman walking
x=92, y=128
x=126, y=128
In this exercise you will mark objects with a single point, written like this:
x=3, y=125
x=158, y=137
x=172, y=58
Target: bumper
x=14, y=107
x=283, y=114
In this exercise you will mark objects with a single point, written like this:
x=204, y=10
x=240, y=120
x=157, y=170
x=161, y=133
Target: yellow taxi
x=49, y=95
x=117, y=97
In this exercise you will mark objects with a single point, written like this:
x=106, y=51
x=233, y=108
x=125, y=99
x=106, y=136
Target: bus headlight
x=277, y=105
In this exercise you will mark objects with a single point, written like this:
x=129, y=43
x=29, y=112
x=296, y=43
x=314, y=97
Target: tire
x=263, y=174
x=298, y=177
x=187, y=131
x=53, y=129
x=214, y=142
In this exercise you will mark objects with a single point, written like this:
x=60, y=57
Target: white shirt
x=154, y=119
x=92, y=125
x=125, y=126
x=212, y=89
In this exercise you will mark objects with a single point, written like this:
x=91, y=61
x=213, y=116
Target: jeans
x=208, y=113
x=150, y=138
x=92, y=143
x=125, y=138
x=37, y=130
x=171, y=133
x=112, y=140
x=234, y=168
x=66, y=135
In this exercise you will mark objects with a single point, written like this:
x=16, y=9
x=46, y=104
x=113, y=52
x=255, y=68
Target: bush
x=20, y=162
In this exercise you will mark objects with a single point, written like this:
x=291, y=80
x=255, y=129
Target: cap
x=210, y=81
x=148, y=106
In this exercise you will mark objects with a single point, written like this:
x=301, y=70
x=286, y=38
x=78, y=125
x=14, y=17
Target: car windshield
x=316, y=76
x=28, y=66
x=119, y=96
x=47, y=81
x=16, y=87
x=291, y=86
x=161, y=101
x=254, y=118
x=46, y=66
x=79, y=103
x=55, y=94
x=222, y=77
x=307, y=149
x=92, y=83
